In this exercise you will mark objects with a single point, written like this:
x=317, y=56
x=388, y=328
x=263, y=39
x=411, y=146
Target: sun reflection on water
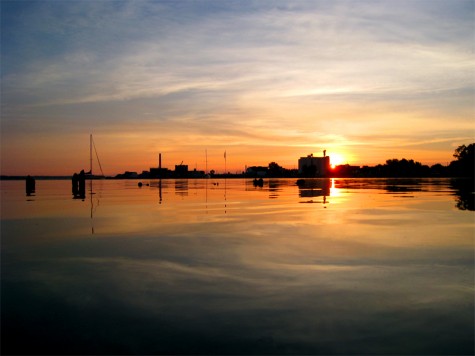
x=252, y=266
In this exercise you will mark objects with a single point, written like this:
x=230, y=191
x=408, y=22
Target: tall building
x=311, y=166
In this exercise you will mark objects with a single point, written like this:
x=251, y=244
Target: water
x=223, y=267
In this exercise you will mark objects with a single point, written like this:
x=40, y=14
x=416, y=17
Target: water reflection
x=314, y=188
x=463, y=189
x=465, y=193
x=274, y=188
x=30, y=186
x=219, y=268
x=181, y=187
x=310, y=188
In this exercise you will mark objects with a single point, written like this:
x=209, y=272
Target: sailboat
x=79, y=180
x=91, y=147
x=91, y=176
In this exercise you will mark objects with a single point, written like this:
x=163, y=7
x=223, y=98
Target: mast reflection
x=160, y=191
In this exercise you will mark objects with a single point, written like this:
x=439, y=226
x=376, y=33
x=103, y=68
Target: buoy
x=140, y=184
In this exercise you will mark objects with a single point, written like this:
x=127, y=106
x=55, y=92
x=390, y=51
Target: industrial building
x=311, y=166
x=159, y=172
x=181, y=171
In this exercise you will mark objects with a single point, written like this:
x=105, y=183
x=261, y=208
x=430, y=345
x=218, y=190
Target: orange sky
x=272, y=81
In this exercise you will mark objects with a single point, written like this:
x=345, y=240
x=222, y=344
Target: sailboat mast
x=90, y=154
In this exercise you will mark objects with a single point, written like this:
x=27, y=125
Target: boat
x=90, y=174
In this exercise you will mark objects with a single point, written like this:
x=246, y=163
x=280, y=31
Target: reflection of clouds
x=371, y=274
x=217, y=287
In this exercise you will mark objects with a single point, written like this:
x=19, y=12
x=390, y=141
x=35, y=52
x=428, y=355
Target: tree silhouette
x=464, y=166
x=275, y=170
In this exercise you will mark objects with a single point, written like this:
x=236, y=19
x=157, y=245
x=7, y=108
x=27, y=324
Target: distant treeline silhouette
x=462, y=166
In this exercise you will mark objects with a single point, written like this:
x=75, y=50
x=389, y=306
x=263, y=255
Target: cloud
x=138, y=51
x=252, y=73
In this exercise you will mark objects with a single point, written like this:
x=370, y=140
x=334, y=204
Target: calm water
x=223, y=267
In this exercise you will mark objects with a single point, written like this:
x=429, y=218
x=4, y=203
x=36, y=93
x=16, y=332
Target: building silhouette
x=311, y=166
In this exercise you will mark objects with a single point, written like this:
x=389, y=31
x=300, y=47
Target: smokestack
x=324, y=153
x=159, y=161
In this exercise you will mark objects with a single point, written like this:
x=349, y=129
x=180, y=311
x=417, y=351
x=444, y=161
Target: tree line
x=462, y=166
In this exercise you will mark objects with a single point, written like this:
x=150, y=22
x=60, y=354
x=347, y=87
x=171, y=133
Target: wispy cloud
x=290, y=72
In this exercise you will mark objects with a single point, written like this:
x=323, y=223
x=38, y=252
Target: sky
x=263, y=81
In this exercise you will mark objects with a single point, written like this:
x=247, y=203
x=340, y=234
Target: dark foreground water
x=223, y=267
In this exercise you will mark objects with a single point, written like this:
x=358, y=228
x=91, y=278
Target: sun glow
x=336, y=159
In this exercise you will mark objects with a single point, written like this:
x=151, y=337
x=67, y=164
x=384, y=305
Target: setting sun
x=336, y=159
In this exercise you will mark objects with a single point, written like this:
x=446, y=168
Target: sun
x=336, y=159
